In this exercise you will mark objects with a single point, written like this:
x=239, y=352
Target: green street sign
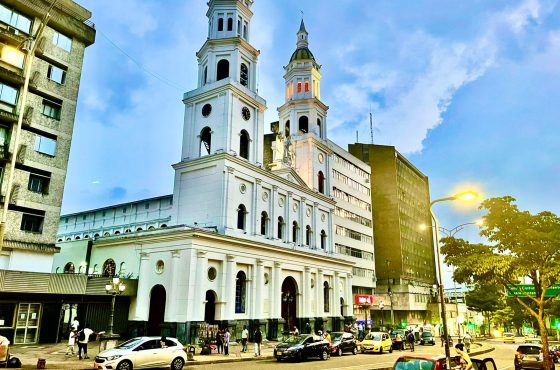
x=517, y=290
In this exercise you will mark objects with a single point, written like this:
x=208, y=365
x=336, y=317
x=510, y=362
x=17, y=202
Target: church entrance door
x=289, y=303
x=157, y=310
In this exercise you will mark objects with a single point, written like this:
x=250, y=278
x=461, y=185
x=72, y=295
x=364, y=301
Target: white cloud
x=416, y=98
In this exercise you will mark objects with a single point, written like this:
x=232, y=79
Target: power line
x=142, y=67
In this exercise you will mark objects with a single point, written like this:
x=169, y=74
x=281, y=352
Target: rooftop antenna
x=371, y=126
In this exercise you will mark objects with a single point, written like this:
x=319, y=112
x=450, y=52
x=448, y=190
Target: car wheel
x=278, y=359
x=363, y=351
x=177, y=363
x=299, y=357
x=391, y=349
x=324, y=355
x=124, y=365
x=355, y=351
x=339, y=352
x=381, y=350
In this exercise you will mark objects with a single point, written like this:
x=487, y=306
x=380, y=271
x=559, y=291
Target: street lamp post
x=381, y=306
x=114, y=287
x=288, y=298
x=463, y=196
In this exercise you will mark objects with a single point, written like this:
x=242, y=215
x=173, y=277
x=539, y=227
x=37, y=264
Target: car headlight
x=114, y=357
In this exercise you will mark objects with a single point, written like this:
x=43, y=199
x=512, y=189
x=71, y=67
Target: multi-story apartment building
x=34, y=171
x=350, y=182
x=48, y=119
x=404, y=250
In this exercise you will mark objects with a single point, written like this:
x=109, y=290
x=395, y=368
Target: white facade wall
x=21, y=260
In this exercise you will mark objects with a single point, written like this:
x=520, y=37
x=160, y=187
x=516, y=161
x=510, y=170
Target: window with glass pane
x=15, y=19
x=38, y=183
x=12, y=56
x=51, y=109
x=45, y=145
x=32, y=223
x=62, y=41
x=27, y=323
x=56, y=74
x=8, y=94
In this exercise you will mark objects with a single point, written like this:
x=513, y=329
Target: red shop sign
x=364, y=299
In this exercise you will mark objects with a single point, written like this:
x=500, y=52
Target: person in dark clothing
x=410, y=339
x=258, y=341
x=219, y=341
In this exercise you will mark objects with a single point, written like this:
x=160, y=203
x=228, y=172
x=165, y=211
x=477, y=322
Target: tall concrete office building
x=41, y=158
x=404, y=253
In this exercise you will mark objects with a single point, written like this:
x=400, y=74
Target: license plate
x=279, y=353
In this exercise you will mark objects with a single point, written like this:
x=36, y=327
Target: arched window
x=264, y=223
x=109, y=267
x=77, y=238
x=308, y=234
x=95, y=269
x=127, y=231
x=222, y=70
x=244, y=144
x=220, y=24
x=241, y=212
x=341, y=306
x=244, y=75
x=304, y=124
x=69, y=268
x=96, y=235
x=245, y=31
x=117, y=232
x=326, y=297
x=321, y=182
x=287, y=128
x=205, y=141
x=295, y=228
x=139, y=229
x=106, y=233
x=299, y=87
x=306, y=86
x=122, y=269
x=230, y=24
x=163, y=226
x=280, y=228
x=240, y=292
x=59, y=240
x=319, y=127
x=205, y=76
x=323, y=239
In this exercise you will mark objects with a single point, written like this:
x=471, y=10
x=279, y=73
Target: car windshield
x=337, y=337
x=372, y=336
x=295, y=340
x=508, y=334
x=426, y=335
x=129, y=343
x=529, y=350
x=413, y=363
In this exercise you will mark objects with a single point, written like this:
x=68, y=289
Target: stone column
x=306, y=292
x=287, y=212
x=336, y=295
x=330, y=237
x=200, y=287
x=349, y=295
x=272, y=207
x=171, y=314
x=314, y=216
x=229, y=288
x=230, y=171
x=258, y=284
x=143, y=291
x=319, y=291
x=256, y=214
x=302, y=227
x=276, y=291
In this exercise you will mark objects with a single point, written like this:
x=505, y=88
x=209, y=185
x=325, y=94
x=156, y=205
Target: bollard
x=41, y=363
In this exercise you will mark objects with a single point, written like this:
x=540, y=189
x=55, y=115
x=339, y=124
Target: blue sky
x=467, y=90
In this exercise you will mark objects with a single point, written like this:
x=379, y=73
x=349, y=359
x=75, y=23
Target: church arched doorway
x=289, y=303
x=210, y=307
x=157, y=309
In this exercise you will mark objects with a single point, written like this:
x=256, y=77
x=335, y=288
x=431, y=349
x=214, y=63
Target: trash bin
x=41, y=363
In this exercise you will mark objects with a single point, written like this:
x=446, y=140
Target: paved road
x=502, y=355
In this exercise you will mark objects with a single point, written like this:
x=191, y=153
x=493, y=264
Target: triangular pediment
x=291, y=175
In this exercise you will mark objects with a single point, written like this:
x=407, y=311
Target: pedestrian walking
x=71, y=342
x=467, y=340
x=410, y=338
x=220, y=341
x=244, y=338
x=83, y=339
x=258, y=341
x=296, y=331
x=399, y=342
x=227, y=337
x=75, y=324
x=459, y=347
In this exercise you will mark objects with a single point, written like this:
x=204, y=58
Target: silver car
x=143, y=353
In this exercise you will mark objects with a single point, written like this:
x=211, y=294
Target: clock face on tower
x=206, y=110
x=246, y=113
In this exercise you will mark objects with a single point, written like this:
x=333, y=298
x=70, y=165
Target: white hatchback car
x=143, y=353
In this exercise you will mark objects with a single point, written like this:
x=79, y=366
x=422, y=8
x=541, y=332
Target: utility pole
x=30, y=45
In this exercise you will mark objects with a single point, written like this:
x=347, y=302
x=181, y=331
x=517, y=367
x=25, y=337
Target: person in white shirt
x=244, y=338
x=71, y=342
x=75, y=324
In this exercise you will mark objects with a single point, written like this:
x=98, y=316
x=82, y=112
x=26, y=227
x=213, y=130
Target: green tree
x=485, y=299
x=523, y=245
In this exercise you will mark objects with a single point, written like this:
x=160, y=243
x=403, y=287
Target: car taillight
x=185, y=349
x=519, y=355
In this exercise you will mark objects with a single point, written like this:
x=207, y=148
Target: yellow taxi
x=376, y=342
x=508, y=337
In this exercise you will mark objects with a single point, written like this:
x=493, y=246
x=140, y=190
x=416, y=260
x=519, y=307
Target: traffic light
x=403, y=324
x=471, y=325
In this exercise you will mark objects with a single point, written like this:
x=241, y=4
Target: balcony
x=7, y=116
x=11, y=77
x=11, y=35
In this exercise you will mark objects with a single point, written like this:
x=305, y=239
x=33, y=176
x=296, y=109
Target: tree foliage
x=485, y=299
x=522, y=245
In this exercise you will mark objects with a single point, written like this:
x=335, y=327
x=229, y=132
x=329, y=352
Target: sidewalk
x=55, y=356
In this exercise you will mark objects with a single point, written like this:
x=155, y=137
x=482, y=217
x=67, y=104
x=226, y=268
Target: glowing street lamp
x=114, y=287
x=465, y=196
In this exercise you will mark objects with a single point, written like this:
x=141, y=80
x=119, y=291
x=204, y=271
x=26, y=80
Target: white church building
x=271, y=230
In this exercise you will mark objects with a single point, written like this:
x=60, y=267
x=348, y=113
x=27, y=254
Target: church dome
x=302, y=54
